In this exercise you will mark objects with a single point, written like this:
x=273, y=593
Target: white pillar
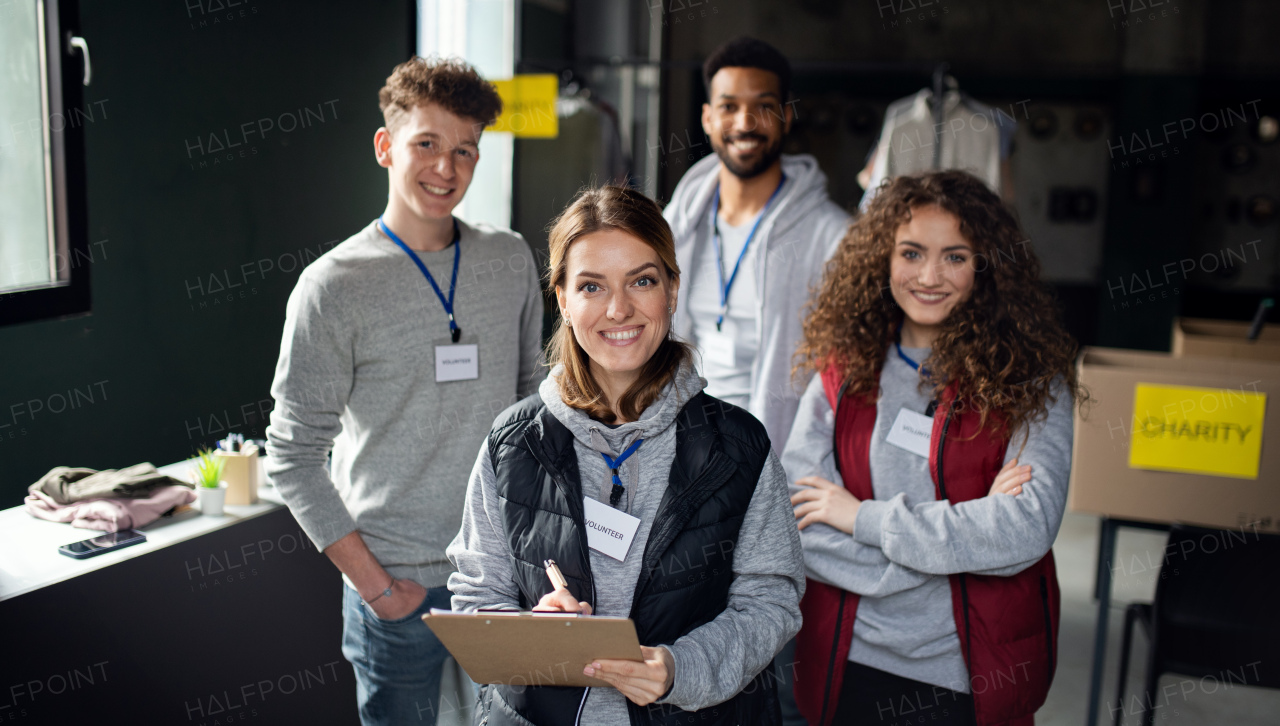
x=483, y=33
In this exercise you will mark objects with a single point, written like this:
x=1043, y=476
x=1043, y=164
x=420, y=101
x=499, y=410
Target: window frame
x=64, y=73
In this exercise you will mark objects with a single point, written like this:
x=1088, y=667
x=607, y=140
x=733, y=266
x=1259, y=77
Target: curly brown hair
x=451, y=83
x=1003, y=346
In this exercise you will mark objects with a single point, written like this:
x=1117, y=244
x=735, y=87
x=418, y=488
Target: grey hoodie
x=714, y=661
x=905, y=542
x=799, y=234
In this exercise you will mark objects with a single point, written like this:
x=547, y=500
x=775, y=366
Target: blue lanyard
x=715, y=239
x=933, y=405
x=453, y=284
x=914, y=365
x=615, y=494
x=898, y=344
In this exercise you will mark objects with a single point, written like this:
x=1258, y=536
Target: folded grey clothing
x=65, y=484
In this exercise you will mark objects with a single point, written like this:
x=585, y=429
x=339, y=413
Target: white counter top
x=29, y=558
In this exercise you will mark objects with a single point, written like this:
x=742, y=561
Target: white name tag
x=609, y=531
x=457, y=362
x=912, y=431
x=717, y=348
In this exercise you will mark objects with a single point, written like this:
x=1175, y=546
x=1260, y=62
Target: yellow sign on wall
x=1214, y=431
x=529, y=106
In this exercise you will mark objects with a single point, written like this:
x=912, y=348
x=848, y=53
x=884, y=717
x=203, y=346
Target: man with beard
x=753, y=228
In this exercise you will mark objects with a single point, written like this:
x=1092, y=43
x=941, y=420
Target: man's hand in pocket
x=406, y=596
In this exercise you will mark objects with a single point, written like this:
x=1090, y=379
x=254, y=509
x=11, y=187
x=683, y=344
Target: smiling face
x=745, y=119
x=430, y=155
x=616, y=296
x=929, y=271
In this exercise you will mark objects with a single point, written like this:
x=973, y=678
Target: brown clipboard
x=533, y=649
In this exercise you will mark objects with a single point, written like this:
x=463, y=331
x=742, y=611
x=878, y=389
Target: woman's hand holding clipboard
x=642, y=683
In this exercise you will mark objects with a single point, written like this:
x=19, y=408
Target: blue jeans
x=397, y=662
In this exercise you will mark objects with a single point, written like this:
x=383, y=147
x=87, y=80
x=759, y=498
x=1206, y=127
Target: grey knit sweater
x=356, y=375
x=714, y=661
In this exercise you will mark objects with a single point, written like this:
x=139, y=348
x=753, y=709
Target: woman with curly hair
x=930, y=461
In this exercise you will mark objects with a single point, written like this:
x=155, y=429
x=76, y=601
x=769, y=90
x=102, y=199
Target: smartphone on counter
x=102, y=543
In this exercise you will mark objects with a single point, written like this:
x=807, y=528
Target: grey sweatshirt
x=797, y=236
x=714, y=661
x=905, y=542
x=357, y=375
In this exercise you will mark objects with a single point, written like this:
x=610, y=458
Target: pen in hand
x=553, y=574
x=560, y=598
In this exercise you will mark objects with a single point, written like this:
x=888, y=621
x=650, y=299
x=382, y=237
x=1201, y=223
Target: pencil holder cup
x=241, y=472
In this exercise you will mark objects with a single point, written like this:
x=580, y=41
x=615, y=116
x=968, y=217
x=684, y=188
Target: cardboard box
x=1102, y=482
x=1224, y=339
x=241, y=472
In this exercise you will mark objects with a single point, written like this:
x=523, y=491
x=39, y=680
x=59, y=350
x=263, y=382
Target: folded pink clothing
x=109, y=514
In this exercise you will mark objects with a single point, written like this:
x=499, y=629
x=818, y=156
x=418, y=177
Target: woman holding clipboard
x=657, y=501
x=930, y=461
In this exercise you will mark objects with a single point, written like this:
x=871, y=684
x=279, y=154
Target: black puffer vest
x=688, y=559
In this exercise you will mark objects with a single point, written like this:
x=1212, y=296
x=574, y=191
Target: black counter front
x=239, y=625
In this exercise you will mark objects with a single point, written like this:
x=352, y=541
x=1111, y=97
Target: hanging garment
x=968, y=136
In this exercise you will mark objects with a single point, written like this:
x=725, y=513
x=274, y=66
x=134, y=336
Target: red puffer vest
x=1008, y=626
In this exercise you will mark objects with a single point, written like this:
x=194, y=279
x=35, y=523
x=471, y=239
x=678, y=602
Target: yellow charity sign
x=529, y=106
x=1214, y=431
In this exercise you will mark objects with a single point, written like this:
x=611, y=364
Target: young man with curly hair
x=400, y=346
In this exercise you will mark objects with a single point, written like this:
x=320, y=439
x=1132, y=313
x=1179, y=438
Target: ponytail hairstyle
x=629, y=211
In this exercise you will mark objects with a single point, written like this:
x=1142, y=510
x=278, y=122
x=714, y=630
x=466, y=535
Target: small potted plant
x=208, y=480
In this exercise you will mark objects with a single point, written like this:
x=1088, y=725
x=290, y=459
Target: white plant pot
x=211, y=499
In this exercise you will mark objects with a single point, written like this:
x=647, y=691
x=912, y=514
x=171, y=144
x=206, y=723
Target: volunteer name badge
x=457, y=362
x=911, y=431
x=609, y=531
x=717, y=348
x=1216, y=431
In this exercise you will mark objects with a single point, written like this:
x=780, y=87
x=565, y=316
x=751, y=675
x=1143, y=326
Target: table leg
x=1102, y=591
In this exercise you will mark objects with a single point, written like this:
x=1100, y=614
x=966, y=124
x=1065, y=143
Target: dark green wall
x=164, y=362
x=1150, y=210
